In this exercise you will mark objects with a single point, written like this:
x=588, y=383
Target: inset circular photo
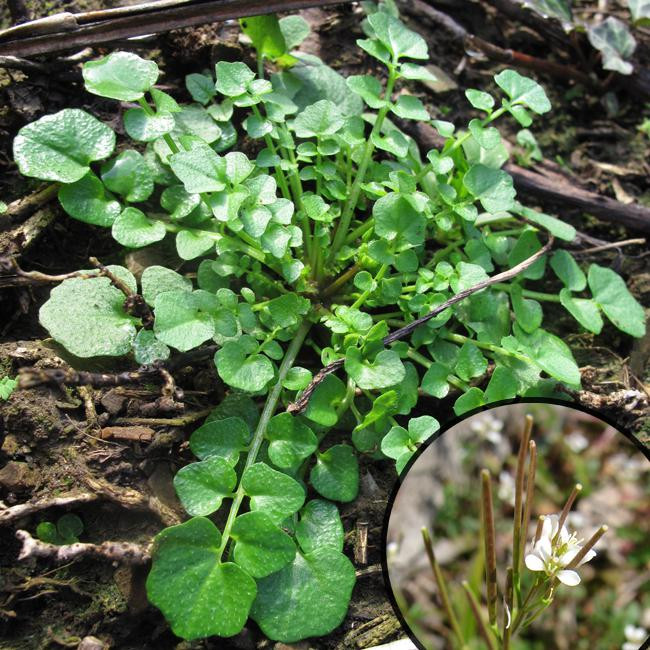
x=523, y=527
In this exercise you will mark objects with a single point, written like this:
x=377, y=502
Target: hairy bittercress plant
x=329, y=231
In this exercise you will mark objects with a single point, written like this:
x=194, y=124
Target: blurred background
x=610, y=607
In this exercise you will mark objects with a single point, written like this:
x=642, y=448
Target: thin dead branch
x=300, y=404
x=123, y=552
x=13, y=513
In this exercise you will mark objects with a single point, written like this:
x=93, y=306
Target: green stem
x=527, y=293
x=258, y=436
x=353, y=197
x=364, y=296
x=496, y=349
x=414, y=355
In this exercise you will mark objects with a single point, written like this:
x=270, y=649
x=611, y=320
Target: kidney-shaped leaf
x=87, y=201
x=262, y=548
x=180, y=321
x=321, y=408
x=129, y=175
x=336, y=474
x=309, y=597
x=613, y=297
x=319, y=119
x=59, y=147
x=120, y=75
x=272, y=492
x=523, y=90
x=198, y=595
x=224, y=438
x=386, y=370
x=492, y=187
x=251, y=373
x=202, y=486
x=320, y=526
x=134, y=229
x=87, y=316
x=290, y=441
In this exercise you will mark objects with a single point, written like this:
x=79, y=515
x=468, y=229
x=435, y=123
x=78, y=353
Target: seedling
x=328, y=233
x=66, y=531
x=530, y=583
x=7, y=386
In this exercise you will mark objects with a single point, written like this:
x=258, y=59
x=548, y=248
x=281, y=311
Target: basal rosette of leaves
x=330, y=230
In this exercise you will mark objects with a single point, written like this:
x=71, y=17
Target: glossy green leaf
x=523, y=90
x=585, y=311
x=567, y=269
x=265, y=34
x=225, y=438
x=290, y=441
x=181, y=321
x=272, y=492
x=319, y=119
x=295, y=30
x=320, y=526
x=469, y=400
x=261, y=547
x=128, y=175
x=120, y=75
x=200, y=169
x=133, y=229
x=385, y=370
x=186, y=561
x=249, y=372
x=502, y=385
x=233, y=78
x=307, y=598
x=156, y=279
x=492, y=187
x=434, y=381
x=61, y=146
x=368, y=88
x=322, y=405
x=191, y=244
x=87, y=201
x=143, y=127
x=409, y=107
x=201, y=87
x=336, y=474
x=148, y=349
x=527, y=312
x=202, y=486
x=396, y=219
x=479, y=99
x=87, y=316
x=614, y=298
x=400, y=41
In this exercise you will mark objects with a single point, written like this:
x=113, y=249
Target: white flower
x=635, y=636
x=506, y=490
x=577, y=442
x=488, y=427
x=553, y=552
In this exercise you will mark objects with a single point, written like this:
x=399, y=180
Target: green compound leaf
x=492, y=187
x=325, y=399
x=368, y=88
x=86, y=200
x=262, y=548
x=225, y=438
x=523, y=91
x=59, y=147
x=201, y=87
x=202, y=486
x=319, y=119
x=336, y=474
x=396, y=219
x=479, y=99
x=290, y=441
x=527, y=312
x=397, y=38
x=120, y=75
x=233, y=78
x=615, y=42
x=386, y=370
x=128, y=175
x=181, y=321
x=307, y=598
x=147, y=348
x=551, y=354
x=157, y=279
x=320, y=526
x=200, y=169
x=272, y=492
x=400, y=444
x=143, y=127
x=191, y=244
x=502, y=385
x=409, y=107
x=567, y=270
x=247, y=372
x=87, y=316
x=586, y=312
x=612, y=295
x=133, y=230
x=186, y=563
x=435, y=381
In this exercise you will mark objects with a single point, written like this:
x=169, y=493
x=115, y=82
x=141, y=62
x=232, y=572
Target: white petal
x=547, y=526
x=543, y=548
x=567, y=557
x=569, y=578
x=589, y=556
x=534, y=563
